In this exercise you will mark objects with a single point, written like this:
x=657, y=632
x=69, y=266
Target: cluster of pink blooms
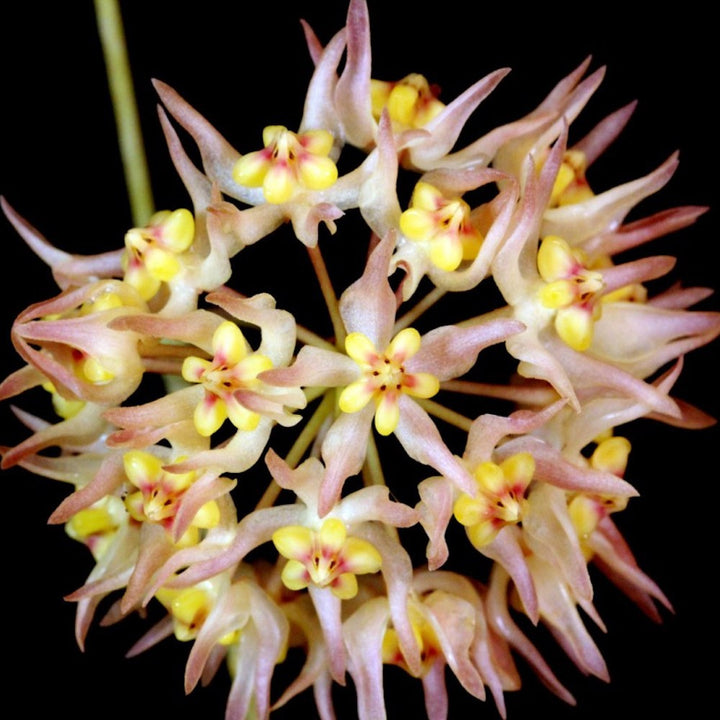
x=169, y=390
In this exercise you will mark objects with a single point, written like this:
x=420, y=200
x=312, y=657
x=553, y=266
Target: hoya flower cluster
x=265, y=484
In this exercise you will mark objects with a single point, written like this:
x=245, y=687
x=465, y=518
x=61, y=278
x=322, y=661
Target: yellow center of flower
x=151, y=253
x=159, y=493
x=190, y=608
x=425, y=638
x=384, y=377
x=500, y=498
x=325, y=557
x=442, y=226
x=571, y=186
x=586, y=511
x=288, y=162
x=95, y=526
x=233, y=369
x=411, y=102
x=570, y=289
x=64, y=407
x=88, y=367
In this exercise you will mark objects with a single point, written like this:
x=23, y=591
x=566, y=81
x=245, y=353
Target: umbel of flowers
x=389, y=406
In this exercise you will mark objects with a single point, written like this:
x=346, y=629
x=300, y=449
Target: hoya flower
x=68, y=339
x=443, y=224
x=289, y=162
x=376, y=366
x=449, y=624
x=302, y=189
x=224, y=384
x=411, y=102
x=231, y=620
x=540, y=349
x=499, y=500
x=326, y=557
x=151, y=252
x=513, y=504
x=426, y=128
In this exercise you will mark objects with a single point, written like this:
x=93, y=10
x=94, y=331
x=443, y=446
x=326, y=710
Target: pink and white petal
x=368, y=305
x=550, y=534
x=435, y=508
x=435, y=691
x=328, y=608
x=397, y=572
x=364, y=632
x=445, y=128
x=352, y=93
x=453, y=621
x=449, y=352
x=218, y=156
x=374, y=503
x=501, y=621
x=378, y=200
x=422, y=441
x=314, y=367
x=319, y=109
x=109, y=476
x=579, y=221
x=507, y=551
x=343, y=451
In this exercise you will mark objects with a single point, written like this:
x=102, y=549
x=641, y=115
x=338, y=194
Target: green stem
x=372, y=469
x=443, y=413
x=419, y=308
x=132, y=151
x=328, y=293
x=308, y=337
x=300, y=446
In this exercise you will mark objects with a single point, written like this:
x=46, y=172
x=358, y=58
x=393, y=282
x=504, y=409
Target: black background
x=245, y=66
